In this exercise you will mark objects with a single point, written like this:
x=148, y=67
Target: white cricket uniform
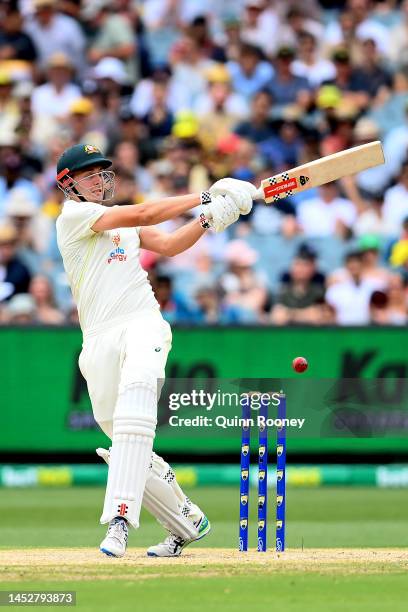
x=122, y=326
x=124, y=352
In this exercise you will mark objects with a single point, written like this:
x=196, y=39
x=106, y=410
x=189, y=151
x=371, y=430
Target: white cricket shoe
x=115, y=542
x=173, y=545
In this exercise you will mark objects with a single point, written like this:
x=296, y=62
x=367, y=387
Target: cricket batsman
x=125, y=339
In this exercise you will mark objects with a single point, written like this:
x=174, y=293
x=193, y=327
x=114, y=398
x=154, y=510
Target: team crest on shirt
x=118, y=254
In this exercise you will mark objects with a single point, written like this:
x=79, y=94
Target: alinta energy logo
x=118, y=254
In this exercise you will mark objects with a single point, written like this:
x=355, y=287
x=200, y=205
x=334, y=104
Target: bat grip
x=259, y=195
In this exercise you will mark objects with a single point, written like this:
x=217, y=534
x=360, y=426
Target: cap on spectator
x=365, y=129
x=81, y=106
x=19, y=204
x=328, y=96
x=161, y=72
x=369, y=242
x=21, y=304
x=239, y=253
x=8, y=233
x=218, y=73
x=256, y=4
x=111, y=68
x=305, y=251
x=341, y=55
x=43, y=3
x=91, y=8
x=59, y=60
x=126, y=114
x=5, y=78
x=8, y=138
x=186, y=125
x=399, y=253
x=285, y=52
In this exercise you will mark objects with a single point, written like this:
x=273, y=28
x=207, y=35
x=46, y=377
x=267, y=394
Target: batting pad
x=134, y=425
x=164, y=499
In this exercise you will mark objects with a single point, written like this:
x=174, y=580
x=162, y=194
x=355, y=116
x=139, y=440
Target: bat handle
x=259, y=195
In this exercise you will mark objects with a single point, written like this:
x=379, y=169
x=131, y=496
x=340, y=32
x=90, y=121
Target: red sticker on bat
x=281, y=187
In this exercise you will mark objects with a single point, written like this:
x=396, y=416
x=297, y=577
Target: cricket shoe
x=115, y=542
x=173, y=545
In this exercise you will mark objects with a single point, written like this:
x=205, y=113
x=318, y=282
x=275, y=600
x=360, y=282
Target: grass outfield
x=362, y=534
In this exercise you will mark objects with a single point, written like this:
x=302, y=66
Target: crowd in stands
x=180, y=93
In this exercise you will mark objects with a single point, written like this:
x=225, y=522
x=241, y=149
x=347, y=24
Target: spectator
x=173, y=307
x=161, y=19
x=211, y=310
x=46, y=312
x=21, y=212
x=126, y=158
x=14, y=275
x=52, y=32
x=21, y=310
x=396, y=146
x=15, y=44
x=132, y=129
x=299, y=299
x=260, y=25
x=371, y=68
x=283, y=148
x=219, y=109
x=370, y=247
x=309, y=65
x=326, y=215
x=351, y=296
x=220, y=96
x=242, y=286
x=258, y=127
x=250, y=73
x=81, y=124
x=398, y=40
x=125, y=188
x=397, y=300
x=353, y=83
x=14, y=171
x=54, y=97
x=114, y=36
x=143, y=97
x=9, y=111
x=370, y=219
x=396, y=203
x=159, y=119
x=188, y=72
x=285, y=87
x=399, y=250
x=198, y=30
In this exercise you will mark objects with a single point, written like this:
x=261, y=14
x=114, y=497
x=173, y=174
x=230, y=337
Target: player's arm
x=150, y=213
x=169, y=245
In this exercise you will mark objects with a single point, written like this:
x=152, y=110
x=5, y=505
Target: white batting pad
x=134, y=425
x=164, y=499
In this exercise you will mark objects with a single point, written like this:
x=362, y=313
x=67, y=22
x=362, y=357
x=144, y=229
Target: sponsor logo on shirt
x=118, y=254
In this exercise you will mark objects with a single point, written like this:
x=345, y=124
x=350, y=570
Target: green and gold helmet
x=79, y=157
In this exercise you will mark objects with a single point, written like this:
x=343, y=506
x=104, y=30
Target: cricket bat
x=320, y=171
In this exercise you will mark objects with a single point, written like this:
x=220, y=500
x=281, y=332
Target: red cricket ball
x=300, y=364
